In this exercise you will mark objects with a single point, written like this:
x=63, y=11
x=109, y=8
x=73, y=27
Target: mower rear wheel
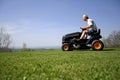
x=66, y=47
x=97, y=45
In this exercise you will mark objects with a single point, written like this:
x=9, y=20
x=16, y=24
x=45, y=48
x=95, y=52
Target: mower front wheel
x=66, y=47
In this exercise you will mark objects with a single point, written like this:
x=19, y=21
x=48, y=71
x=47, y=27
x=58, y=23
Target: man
x=91, y=27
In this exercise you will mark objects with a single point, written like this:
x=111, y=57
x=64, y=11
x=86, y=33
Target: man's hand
x=83, y=28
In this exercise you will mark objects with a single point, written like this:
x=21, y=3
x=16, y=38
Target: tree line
x=113, y=40
x=5, y=40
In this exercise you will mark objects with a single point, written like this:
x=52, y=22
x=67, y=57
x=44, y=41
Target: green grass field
x=59, y=65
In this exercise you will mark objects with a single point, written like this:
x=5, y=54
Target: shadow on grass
x=105, y=49
x=109, y=49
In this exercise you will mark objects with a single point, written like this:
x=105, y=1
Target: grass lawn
x=59, y=65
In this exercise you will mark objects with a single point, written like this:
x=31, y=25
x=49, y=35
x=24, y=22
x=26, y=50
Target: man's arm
x=87, y=27
x=90, y=24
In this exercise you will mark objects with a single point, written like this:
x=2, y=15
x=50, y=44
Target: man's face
x=84, y=18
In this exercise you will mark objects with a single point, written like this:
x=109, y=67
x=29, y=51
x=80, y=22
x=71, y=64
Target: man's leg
x=83, y=34
x=86, y=35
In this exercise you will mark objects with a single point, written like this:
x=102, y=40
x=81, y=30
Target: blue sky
x=42, y=23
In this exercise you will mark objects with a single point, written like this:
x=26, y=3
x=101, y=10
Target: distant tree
x=24, y=48
x=5, y=40
x=113, y=40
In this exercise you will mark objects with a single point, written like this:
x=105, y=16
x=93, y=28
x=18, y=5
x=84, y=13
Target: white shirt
x=91, y=22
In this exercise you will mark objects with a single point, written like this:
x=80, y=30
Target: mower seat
x=98, y=32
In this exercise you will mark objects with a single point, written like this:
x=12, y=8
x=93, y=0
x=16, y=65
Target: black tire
x=97, y=45
x=66, y=47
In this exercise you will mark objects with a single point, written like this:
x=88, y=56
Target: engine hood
x=70, y=35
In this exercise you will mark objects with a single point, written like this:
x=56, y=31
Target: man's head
x=85, y=17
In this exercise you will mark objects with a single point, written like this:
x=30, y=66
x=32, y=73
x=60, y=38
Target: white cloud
x=16, y=27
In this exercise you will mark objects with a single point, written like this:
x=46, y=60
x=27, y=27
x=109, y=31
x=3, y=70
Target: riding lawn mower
x=70, y=41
